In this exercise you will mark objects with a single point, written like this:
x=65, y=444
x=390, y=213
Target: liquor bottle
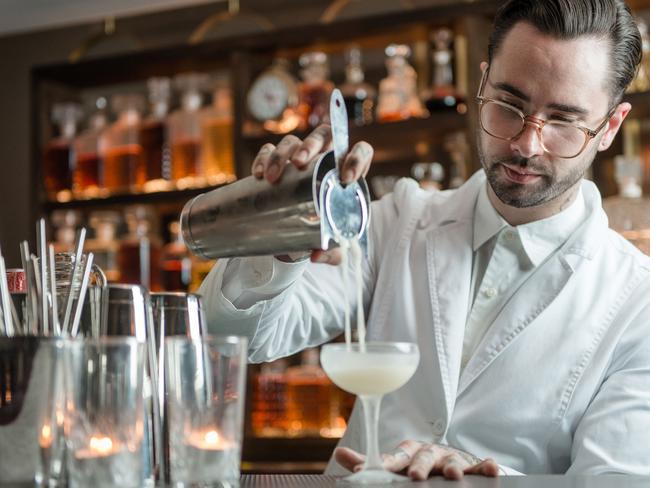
x=442, y=94
x=58, y=157
x=360, y=97
x=199, y=270
x=176, y=262
x=103, y=244
x=269, y=405
x=153, y=136
x=184, y=127
x=90, y=147
x=217, y=136
x=315, y=89
x=123, y=165
x=398, y=99
x=138, y=258
x=309, y=397
x=65, y=223
x=629, y=211
x=458, y=149
x=273, y=98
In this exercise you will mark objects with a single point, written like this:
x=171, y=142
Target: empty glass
x=104, y=418
x=205, y=382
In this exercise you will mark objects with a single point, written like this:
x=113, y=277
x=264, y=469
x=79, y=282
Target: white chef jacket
x=505, y=257
x=560, y=383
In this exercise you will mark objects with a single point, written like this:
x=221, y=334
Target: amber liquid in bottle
x=218, y=149
x=314, y=103
x=88, y=170
x=186, y=158
x=57, y=167
x=129, y=264
x=152, y=137
x=123, y=167
x=268, y=413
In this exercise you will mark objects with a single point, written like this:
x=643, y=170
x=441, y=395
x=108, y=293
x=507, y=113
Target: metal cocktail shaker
x=308, y=209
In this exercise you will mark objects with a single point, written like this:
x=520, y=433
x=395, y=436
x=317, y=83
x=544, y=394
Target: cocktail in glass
x=370, y=371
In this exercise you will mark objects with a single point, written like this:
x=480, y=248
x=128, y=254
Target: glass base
x=374, y=477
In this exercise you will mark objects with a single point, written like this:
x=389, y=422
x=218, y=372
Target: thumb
x=348, y=458
x=332, y=256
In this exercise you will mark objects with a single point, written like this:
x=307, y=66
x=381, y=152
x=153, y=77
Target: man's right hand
x=271, y=161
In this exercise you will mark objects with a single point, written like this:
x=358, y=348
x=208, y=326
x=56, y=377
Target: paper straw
x=75, y=269
x=82, y=294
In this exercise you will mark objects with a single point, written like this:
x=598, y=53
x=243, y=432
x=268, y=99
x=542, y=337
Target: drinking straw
x=75, y=269
x=54, y=307
x=30, y=313
x=42, y=256
x=82, y=294
x=39, y=296
x=5, y=299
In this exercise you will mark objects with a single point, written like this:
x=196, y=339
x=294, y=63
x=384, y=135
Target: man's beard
x=518, y=195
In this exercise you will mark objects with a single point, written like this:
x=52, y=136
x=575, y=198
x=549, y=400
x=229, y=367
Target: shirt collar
x=540, y=238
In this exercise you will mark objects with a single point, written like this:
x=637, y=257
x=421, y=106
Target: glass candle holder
x=104, y=418
x=205, y=385
x=31, y=419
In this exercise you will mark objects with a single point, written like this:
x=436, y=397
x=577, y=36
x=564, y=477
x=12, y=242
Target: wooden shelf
x=129, y=198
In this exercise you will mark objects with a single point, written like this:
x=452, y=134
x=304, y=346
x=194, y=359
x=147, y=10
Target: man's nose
x=529, y=143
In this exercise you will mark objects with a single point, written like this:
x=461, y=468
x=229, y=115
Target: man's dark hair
x=610, y=20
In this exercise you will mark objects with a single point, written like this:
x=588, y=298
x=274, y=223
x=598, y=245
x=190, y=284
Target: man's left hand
x=421, y=459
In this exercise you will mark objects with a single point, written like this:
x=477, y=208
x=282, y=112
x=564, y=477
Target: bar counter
x=534, y=481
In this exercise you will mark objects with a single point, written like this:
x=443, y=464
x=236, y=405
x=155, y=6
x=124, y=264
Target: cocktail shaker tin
x=307, y=209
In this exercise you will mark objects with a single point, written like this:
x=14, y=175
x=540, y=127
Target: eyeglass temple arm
x=483, y=82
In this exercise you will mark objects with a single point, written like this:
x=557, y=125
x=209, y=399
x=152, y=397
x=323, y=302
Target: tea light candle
x=100, y=446
x=209, y=440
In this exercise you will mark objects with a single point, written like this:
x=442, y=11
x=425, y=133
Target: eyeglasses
x=558, y=138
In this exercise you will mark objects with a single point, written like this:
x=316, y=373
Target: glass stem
x=371, y=405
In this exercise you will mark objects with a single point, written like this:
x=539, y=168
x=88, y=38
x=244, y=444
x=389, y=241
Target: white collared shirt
x=505, y=257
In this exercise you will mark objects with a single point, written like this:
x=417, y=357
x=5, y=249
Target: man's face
x=548, y=79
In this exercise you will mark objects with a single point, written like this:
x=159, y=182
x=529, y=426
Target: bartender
x=531, y=315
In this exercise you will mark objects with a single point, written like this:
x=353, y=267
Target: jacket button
x=438, y=427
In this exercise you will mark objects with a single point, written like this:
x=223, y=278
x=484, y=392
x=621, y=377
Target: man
x=532, y=317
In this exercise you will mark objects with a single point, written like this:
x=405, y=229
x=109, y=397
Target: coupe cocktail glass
x=370, y=372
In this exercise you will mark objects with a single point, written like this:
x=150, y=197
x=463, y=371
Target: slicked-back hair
x=610, y=20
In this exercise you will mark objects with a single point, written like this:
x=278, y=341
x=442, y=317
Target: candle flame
x=101, y=445
x=46, y=436
x=211, y=437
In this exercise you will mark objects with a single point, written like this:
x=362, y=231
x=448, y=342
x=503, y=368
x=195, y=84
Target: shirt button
x=438, y=427
x=509, y=235
x=490, y=293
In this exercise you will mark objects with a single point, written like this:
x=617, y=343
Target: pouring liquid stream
x=351, y=252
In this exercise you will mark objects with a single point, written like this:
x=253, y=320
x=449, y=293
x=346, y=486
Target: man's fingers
x=401, y=457
x=316, y=142
x=452, y=467
x=357, y=162
x=261, y=160
x=348, y=458
x=488, y=467
x=423, y=462
x=279, y=157
x=328, y=257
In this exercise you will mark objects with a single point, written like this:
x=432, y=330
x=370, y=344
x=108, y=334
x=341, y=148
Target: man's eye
x=513, y=104
x=560, y=118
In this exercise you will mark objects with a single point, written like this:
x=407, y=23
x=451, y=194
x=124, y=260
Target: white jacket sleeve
x=612, y=436
x=283, y=308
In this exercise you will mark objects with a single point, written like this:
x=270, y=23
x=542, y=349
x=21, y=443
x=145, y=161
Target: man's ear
x=614, y=124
